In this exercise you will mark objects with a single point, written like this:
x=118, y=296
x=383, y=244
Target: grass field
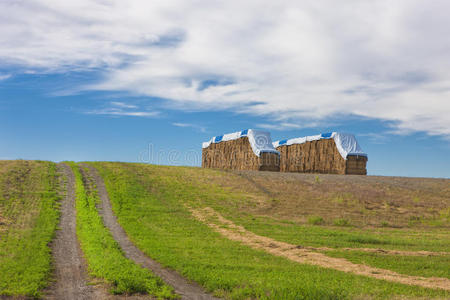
x=384, y=224
x=28, y=219
x=151, y=204
x=104, y=257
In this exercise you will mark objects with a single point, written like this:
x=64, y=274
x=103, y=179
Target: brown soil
x=70, y=270
x=186, y=289
x=307, y=255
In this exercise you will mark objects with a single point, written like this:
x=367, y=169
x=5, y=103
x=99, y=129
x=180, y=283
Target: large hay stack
x=244, y=150
x=332, y=153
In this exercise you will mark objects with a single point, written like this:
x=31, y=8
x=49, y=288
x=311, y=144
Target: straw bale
x=238, y=155
x=320, y=156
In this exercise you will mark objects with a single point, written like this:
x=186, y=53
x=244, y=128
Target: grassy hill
x=240, y=235
x=154, y=205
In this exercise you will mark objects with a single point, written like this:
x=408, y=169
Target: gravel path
x=186, y=289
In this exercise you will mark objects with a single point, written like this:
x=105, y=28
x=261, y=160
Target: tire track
x=186, y=289
x=70, y=268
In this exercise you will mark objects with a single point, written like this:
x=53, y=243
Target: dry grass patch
x=365, y=201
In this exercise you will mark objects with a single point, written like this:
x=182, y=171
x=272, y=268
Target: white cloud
x=4, y=76
x=122, y=109
x=123, y=104
x=187, y=125
x=302, y=60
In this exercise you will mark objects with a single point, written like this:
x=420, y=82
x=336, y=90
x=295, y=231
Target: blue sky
x=139, y=81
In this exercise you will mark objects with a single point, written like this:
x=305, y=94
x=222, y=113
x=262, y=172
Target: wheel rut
x=71, y=281
x=186, y=289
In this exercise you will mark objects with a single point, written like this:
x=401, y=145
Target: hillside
x=165, y=209
x=186, y=232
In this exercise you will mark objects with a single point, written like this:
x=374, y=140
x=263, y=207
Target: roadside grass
x=29, y=203
x=149, y=202
x=103, y=254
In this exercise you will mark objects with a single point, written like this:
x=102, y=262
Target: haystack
x=332, y=153
x=244, y=150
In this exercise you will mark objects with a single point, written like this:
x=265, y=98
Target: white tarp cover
x=345, y=143
x=260, y=141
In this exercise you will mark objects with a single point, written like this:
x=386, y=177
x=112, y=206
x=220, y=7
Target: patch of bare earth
x=186, y=289
x=307, y=255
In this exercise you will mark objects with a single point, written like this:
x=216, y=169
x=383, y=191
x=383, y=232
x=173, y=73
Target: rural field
x=107, y=230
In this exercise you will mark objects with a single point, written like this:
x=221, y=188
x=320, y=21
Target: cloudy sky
x=103, y=80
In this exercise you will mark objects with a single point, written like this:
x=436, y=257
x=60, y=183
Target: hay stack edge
x=332, y=153
x=243, y=150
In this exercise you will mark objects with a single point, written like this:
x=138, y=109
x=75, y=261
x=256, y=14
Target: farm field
x=157, y=207
x=104, y=257
x=223, y=234
x=28, y=219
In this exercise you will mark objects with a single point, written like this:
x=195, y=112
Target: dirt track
x=307, y=256
x=70, y=271
x=187, y=290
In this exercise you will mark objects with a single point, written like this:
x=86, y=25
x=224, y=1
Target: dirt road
x=187, y=290
x=70, y=270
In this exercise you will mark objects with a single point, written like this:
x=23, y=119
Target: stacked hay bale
x=356, y=165
x=244, y=150
x=332, y=153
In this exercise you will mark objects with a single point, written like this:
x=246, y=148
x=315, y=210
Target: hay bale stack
x=356, y=165
x=238, y=154
x=320, y=154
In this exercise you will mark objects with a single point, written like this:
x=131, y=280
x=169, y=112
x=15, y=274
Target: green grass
x=427, y=266
x=103, y=254
x=29, y=209
x=341, y=222
x=316, y=220
x=334, y=237
x=149, y=203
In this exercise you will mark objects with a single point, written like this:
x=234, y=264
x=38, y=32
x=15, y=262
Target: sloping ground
x=375, y=201
x=150, y=204
x=301, y=254
x=106, y=262
x=187, y=290
x=29, y=216
x=70, y=271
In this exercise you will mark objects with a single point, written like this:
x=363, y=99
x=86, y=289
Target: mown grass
x=29, y=212
x=149, y=202
x=103, y=254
